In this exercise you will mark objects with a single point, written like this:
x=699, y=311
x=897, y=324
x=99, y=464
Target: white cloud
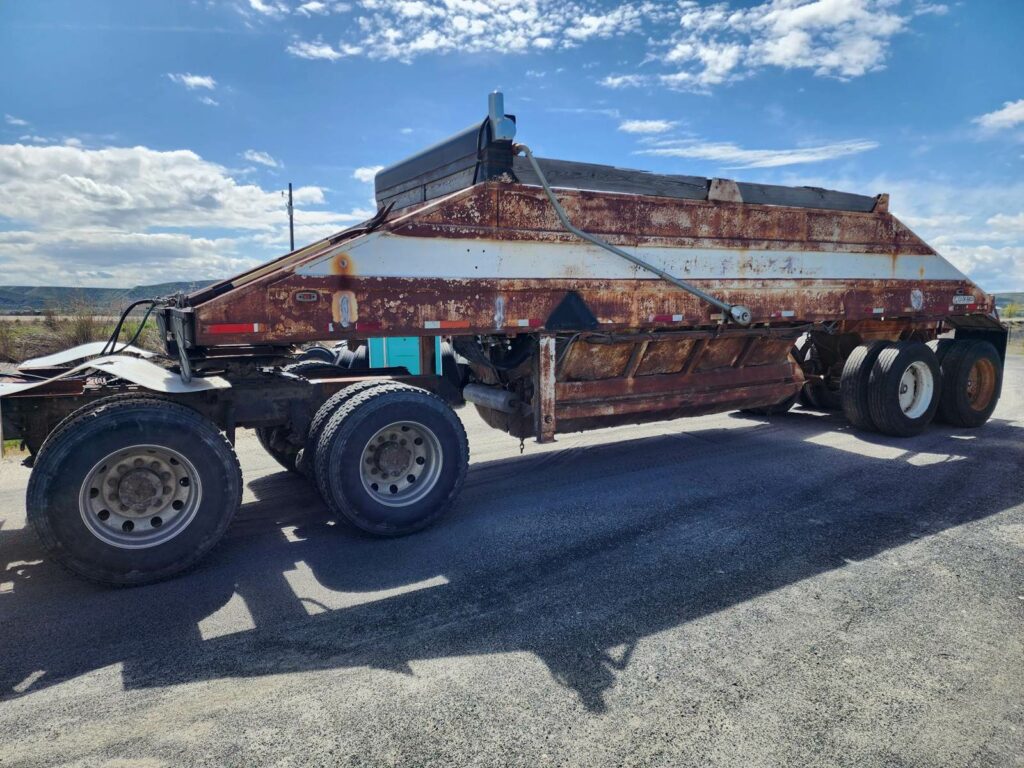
x=732, y=156
x=136, y=215
x=618, y=21
x=271, y=8
x=314, y=7
x=255, y=156
x=1008, y=223
x=1011, y=115
x=624, y=81
x=192, y=82
x=366, y=173
x=12, y=120
x=208, y=101
x=717, y=43
x=318, y=49
x=698, y=46
x=406, y=29
x=647, y=126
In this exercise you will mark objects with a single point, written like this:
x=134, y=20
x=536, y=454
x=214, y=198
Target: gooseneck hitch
x=734, y=312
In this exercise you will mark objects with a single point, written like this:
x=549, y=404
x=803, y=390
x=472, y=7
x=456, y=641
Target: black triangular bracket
x=571, y=314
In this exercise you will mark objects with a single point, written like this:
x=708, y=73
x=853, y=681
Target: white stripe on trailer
x=382, y=254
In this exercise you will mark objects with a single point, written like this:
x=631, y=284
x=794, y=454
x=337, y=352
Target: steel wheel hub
x=981, y=384
x=140, y=496
x=401, y=464
x=917, y=387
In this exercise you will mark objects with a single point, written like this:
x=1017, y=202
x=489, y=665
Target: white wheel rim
x=140, y=496
x=401, y=463
x=917, y=387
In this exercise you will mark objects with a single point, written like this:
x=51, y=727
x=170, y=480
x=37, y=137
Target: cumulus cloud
x=263, y=158
x=12, y=120
x=647, y=126
x=733, y=156
x=1010, y=116
x=192, y=82
x=139, y=215
x=366, y=173
x=720, y=42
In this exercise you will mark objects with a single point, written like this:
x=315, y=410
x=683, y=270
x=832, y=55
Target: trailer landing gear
x=133, y=490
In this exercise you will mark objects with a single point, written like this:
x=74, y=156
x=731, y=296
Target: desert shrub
x=8, y=343
x=80, y=326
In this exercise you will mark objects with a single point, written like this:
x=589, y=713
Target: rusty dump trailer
x=568, y=296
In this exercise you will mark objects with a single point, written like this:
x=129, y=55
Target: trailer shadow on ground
x=573, y=555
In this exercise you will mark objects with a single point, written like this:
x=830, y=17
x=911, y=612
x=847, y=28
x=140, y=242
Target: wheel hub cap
x=140, y=496
x=140, y=488
x=401, y=463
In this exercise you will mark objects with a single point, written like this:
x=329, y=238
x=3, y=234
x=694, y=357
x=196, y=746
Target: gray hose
x=735, y=312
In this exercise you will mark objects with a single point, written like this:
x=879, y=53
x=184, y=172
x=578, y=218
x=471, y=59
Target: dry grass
x=30, y=337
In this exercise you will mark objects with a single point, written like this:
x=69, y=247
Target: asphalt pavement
x=720, y=591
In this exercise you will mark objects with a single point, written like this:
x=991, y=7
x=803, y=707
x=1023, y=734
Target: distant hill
x=28, y=299
x=1002, y=299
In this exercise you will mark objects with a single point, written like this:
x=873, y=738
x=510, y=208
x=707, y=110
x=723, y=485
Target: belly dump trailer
x=568, y=296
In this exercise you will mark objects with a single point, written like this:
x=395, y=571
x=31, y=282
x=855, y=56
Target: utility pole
x=291, y=218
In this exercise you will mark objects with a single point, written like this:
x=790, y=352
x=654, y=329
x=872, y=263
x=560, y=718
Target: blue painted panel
x=401, y=351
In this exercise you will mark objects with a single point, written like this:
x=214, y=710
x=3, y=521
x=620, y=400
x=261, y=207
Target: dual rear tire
x=389, y=458
x=898, y=388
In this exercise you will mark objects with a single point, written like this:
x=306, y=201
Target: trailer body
x=610, y=300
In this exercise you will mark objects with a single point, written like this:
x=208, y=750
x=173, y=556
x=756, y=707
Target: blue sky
x=148, y=141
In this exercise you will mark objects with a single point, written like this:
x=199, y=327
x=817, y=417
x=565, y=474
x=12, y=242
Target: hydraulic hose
x=735, y=312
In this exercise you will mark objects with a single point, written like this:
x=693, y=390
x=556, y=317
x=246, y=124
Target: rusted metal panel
x=679, y=403
x=405, y=306
x=544, y=390
x=586, y=362
x=610, y=389
x=665, y=356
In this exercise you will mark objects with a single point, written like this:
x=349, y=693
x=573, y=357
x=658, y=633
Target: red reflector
x=367, y=326
x=233, y=328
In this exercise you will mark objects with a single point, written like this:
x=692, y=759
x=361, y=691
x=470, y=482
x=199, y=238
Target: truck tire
x=133, y=491
x=272, y=439
x=275, y=440
x=972, y=380
x=904, y=389
x=853, y=385
x=391, y=461
x=824, y=397
x=306, y=463
x=941, y=348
